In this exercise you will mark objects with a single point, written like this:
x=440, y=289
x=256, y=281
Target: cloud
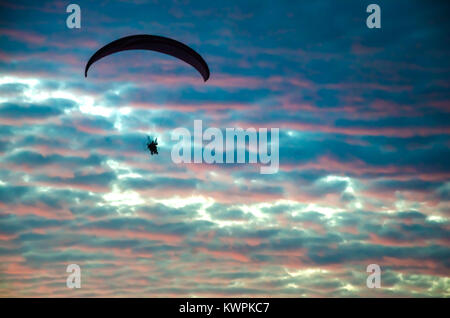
x=19, y=111
x=363, y=117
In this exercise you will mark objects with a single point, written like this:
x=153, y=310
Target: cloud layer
x=364, y=145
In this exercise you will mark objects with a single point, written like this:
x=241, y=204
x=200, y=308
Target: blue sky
x=364, y=146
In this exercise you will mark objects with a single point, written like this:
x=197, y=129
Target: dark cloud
x=160, y=182
x=90, y=179
x=12, y=89
x=35, y=159
x=223, y=212
x=9, y=110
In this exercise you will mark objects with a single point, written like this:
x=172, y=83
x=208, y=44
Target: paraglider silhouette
x=152, y=145
x=152, y=43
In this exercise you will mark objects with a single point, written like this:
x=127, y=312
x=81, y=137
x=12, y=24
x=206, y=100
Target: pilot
x=152, y=146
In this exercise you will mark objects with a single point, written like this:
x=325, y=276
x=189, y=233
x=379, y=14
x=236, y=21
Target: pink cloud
x=23, y=36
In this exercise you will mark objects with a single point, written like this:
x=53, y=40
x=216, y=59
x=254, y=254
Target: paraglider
x=152, y=145
x=152, y=43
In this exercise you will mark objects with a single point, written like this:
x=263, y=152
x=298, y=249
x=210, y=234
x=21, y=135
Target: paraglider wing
x=153, y=43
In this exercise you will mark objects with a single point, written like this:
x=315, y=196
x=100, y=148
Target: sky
x=363, y=117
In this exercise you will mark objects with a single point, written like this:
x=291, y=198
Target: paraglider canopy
x=153, y=43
